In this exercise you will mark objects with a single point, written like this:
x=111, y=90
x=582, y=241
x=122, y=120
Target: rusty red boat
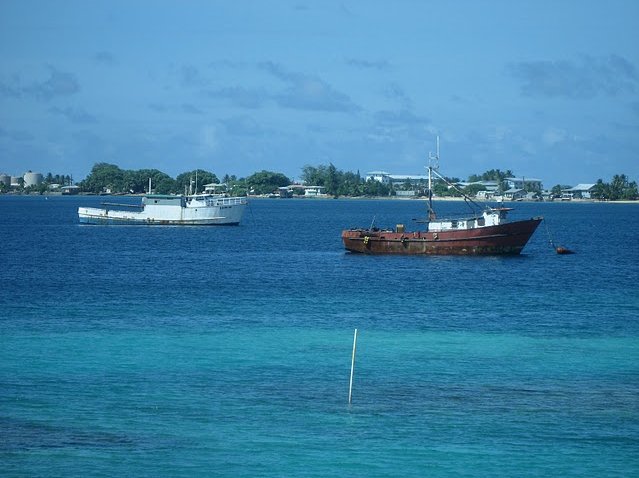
x=488, y=232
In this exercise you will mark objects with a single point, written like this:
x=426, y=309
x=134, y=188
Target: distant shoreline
x=442, y=199
x=355, y=198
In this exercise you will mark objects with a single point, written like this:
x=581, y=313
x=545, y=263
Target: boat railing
x=215, y=200
x=227, y=201
x=116, y=204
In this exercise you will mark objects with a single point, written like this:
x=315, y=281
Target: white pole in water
x=350, y=387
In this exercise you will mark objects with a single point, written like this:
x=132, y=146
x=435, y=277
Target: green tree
x=266, y=182
x=472, y=189
x=315, y=176
x=600, y=190
x=184, y=180
x=621, y=188
x=631, y=192
x=332, y=180
x=350, y=184
x=375, y=188
x=104, y=175
x=556, y=190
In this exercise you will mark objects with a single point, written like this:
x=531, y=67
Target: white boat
x=205, y=209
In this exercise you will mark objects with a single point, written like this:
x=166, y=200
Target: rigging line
x=467, y=198
x=251, y=209
x=550, y=238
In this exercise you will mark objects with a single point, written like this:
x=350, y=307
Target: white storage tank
x=32, y=179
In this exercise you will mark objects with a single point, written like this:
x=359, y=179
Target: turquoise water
x=226, y=351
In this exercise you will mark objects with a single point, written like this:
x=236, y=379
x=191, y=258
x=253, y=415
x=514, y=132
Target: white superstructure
x=160, y=209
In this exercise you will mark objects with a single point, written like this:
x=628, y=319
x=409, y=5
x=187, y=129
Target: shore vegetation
x=106, y=178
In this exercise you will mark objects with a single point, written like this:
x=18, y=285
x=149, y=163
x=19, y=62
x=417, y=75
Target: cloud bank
x=305, y=92
x=583, y=79
x=58, y=84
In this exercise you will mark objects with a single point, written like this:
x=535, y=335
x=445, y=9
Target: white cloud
x=208, y=140
x=553, y=136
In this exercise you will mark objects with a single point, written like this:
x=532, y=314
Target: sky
x=547, y=89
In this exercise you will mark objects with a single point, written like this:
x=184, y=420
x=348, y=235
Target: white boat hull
x=194, y=211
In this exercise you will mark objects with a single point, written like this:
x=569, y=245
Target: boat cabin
x=490, y=217
x=162, y=200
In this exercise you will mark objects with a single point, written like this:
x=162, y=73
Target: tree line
x=109, y=178
x=336, y=182
x=620, y=188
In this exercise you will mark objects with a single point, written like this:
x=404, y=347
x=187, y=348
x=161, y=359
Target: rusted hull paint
x=504, y=239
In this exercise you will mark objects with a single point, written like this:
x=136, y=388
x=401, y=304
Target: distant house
x=485, y=195
x=214, y=188
x=314, y=191
x=408, y=194
x=580, y=191
x=532, y=196
x=513, y=194
x=70, y=190
x=379, y=176
x=530, y=184
x=490, y=185
x=396, y=179
x=284, y=192
x=302, y=190
x=491, y=189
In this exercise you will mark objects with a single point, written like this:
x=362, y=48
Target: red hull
x=504, y=239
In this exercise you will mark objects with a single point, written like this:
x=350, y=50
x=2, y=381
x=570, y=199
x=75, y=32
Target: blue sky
x=549, y=89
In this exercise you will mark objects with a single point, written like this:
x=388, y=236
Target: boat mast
x=433, y=164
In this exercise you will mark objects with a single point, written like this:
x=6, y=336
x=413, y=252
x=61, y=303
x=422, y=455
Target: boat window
x=481, y=221
x=453, y=224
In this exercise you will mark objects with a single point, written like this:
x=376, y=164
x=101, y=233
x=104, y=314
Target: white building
x=529, y=184
x=314, y=191
x=386, y=178
x=583, y=191
x=379, y=176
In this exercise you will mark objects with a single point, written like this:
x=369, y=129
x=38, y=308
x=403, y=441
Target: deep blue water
x=225, y=351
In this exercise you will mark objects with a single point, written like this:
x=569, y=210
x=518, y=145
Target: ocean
x=226, y=351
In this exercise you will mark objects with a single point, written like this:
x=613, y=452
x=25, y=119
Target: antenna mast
x=433, y=165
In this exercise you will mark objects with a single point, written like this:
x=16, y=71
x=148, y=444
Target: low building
x=70, y=190
x=513, y=194
x=529, y=184
x=284, y=192
x=302, y=190
x=314, y=191
x=396, y=179
x=580, y=191
x=379, y=176
x=406, y=194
